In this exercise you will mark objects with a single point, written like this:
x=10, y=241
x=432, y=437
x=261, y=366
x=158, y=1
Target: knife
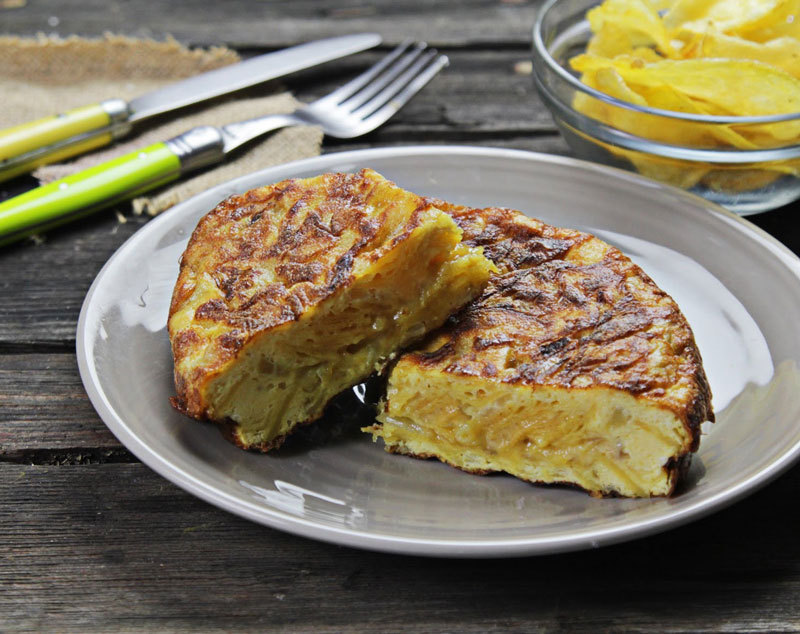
x=30, y=145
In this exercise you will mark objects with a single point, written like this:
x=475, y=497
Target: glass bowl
x=744, y=181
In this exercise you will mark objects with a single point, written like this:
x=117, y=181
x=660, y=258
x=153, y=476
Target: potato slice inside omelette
x=290, y=293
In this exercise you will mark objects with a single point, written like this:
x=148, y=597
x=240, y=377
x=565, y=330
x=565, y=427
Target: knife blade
x=30, y=145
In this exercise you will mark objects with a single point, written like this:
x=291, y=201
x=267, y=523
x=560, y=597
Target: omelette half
x=290, y=293
x=572, y=367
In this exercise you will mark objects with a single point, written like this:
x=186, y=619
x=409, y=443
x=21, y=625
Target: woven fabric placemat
x=46, y=75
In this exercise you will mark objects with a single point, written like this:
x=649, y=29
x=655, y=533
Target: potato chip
x=739, y=179
x=664, y=97
x=637, y=18
x=784, y=22
x=782, y=52
x=645, y=54
x=717, y=82
x=608, y=80
x=727, y=16
x=683, y=11
x=590, y=106
x=661, y=5
x=611, y=40
x=683, y=174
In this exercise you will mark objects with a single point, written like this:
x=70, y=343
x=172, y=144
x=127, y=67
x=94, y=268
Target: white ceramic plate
x=739, y=289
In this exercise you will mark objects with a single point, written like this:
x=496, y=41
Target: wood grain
x=482, y=92
x=43, y=406
x=102, y=547
x=43, y=285
x=244, y=24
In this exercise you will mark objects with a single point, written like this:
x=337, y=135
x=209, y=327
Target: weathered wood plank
x=43, y=285
x=103, y=547
x=43, y=406
x=241, y=23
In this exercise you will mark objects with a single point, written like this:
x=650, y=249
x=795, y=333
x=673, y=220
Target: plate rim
x=439, y=547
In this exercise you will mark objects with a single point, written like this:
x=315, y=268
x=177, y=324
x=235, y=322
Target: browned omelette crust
x=568, y=310
x=307, y=233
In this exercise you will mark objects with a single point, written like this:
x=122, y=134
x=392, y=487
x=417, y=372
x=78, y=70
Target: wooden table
x=90, y=539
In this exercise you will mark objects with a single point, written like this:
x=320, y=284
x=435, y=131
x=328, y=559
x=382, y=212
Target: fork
x=358, y=107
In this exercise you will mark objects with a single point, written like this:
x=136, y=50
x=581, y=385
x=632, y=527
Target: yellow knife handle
x=27, y=146
x=56, y=155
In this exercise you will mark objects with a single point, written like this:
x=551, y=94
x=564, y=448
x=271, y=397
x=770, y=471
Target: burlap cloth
x=47, y=75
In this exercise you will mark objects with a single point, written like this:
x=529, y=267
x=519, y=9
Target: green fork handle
x=87, y=191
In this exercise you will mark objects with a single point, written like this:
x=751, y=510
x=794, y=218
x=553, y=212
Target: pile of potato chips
x=709, y=57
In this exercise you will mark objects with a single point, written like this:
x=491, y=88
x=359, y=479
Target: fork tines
x=383, y=89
